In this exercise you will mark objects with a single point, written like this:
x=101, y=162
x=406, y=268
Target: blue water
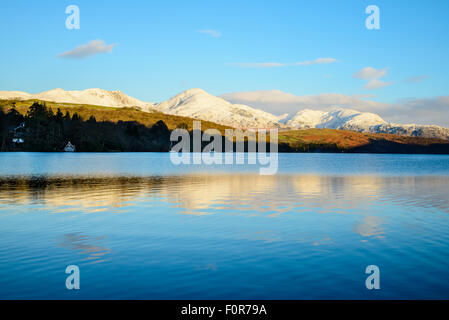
x=140, y=227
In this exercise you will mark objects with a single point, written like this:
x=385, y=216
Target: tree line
x=44, y=130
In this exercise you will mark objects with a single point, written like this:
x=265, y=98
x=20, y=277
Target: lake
x=139, y=227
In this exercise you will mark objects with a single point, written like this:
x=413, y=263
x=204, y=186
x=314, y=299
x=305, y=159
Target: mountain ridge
x=348, y=119
x=198, y=104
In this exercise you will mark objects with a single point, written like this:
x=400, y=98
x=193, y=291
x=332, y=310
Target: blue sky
x=159, y=51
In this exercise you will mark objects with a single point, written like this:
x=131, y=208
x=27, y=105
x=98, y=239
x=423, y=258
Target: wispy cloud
x=317, y=61
x=372, y=76
x=89, y=49
x=211, y=32
x=280, y=64
x=415, y=79
x=259, y=64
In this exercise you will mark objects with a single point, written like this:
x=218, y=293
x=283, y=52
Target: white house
x=69, y=147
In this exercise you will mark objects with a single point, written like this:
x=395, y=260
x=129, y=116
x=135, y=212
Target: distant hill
x=100, y=97
x=332, y=140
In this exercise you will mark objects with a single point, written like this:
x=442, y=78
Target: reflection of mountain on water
x=235, y=194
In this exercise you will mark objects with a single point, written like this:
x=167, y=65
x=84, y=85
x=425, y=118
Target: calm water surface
x=141, y=228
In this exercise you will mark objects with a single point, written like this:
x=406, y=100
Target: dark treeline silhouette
x=41, y=129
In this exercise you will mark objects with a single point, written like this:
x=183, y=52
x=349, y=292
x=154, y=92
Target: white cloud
x=372, y=76
x=280, y=64
x=370, y=73
x=376, y=84
x=89, y=49
x=211, y=32
x=433, y=110
x=424, y=111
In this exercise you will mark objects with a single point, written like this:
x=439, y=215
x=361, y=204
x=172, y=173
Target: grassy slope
x=295, y=140
x=114, y=114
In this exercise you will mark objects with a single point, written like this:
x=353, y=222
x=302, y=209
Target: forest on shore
x=42, y=129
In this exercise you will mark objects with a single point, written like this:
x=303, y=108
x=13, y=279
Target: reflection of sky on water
x=159, y=164
x=370, y=227
x=142, y=232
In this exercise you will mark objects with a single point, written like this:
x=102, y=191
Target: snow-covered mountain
x=347, y=119
x=414, y=130
x=15, y=95
x=198, y=104
x=98, y=97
